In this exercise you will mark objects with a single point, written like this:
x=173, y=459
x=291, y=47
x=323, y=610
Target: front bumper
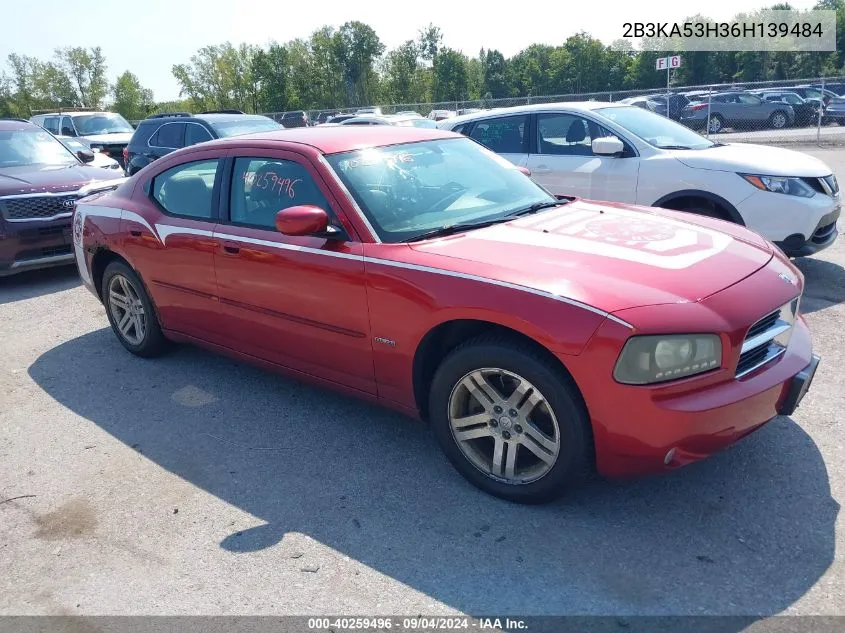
x=825, y=234
x=33, y=245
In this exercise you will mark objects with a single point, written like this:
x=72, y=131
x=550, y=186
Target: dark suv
x=161, y=134
x=40, y=181
x=297, y=118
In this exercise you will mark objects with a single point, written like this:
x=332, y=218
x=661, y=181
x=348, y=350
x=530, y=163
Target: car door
x=754, y=108
x=506, y=135
x=563, y=162
x=296, y=301
x=170, y=242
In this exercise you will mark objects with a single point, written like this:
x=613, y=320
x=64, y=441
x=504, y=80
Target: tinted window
x=186, y=189
x=564, y=134
x=195, y=133
x=67, y=127
x=504, y=136
x=169, y=135
x=51, y=124
x=261, y=187
x=101, y=123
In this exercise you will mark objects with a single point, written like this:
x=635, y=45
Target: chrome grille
x=826, y=185
x=36, y=207
x=767, y=338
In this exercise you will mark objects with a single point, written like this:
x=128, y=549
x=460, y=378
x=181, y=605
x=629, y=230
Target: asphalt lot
x=192, y=484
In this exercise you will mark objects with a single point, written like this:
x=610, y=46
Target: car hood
x=50, y=178
x=607, y=255
x=753, y=159
x=121, y=138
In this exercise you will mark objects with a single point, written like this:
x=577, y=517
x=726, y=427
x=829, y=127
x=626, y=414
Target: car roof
x=209, y=118
x=534, y=107
x=344, y=138
x=8, y=125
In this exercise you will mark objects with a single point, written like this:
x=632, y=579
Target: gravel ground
x=193, y=484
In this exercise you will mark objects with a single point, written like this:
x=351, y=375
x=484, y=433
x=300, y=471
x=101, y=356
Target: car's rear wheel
x=510, y=421
x=778, y=120
x=131, y=313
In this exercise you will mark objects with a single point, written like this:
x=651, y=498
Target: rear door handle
x=230, y=248
x=135, y=233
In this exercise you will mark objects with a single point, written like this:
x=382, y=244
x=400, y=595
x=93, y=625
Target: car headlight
x=780, y=184
x=649, y=359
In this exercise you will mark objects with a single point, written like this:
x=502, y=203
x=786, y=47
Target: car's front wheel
x=510, y=420
x=131, y=313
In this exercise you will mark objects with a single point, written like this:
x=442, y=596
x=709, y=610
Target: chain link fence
x=798, y=111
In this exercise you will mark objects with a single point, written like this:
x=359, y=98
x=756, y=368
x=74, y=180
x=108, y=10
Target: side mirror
x=301, y=220
x=524, y=170
x=607, y=146
x=86, y=156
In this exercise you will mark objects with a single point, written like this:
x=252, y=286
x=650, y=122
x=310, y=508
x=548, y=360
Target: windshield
x=236, y=127
x=32, y=147
x=410, y=189
x=102, y=123
x=654, y=129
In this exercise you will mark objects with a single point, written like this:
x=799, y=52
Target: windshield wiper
x=467, y=226
x=674, y=147
x=455, y=228
x=537, y=206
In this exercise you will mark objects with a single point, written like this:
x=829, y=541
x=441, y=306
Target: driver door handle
x=231, y=248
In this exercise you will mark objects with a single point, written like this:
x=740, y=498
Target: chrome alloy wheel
x=504, y=426
x=127, y=310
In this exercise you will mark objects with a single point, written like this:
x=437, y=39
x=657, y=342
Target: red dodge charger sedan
x=540, y=337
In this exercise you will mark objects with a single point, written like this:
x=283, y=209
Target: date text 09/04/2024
x=417, y=623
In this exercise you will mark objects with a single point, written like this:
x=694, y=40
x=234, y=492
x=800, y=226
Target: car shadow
x=824, y=283
x=748, y=531
x=34, y=283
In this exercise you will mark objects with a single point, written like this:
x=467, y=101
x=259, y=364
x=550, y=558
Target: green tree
x=494, y=68
x=357, y=47
x=450, y=76
x=131, y=99
x=86, y=72
x=270, y=69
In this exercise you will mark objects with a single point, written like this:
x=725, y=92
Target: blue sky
x=162, y=33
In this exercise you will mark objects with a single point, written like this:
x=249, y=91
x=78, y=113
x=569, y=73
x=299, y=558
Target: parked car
x=835, y=111
x=298, y=118
x=100, y=160
x=40, y=180
x=440, y=115
x=373, y=110
x=837, y=87
x=160, y=134
x=806, y=110
x=543, y=338
x=467, y=111
x=670, y=105
x=737, y=109
x=625, y=154
x=811, y=92
x=108, y=132
x=408, y=113
x=390, y=119
x=323, y=117
x=339, y=118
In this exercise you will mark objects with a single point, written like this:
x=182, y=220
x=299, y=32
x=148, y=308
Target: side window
x=67, y=127
x=186, y=189
x=51, y=124
x=749, y=99
x=564, y=135
x=461, y=129
x=506, y=135
x=195, y=133
x=169, y=136
x=261, y=187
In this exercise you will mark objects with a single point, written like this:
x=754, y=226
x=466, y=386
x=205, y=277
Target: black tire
x=575, y=457
x=706, y=209
x=717, y=124
x=778, y=120
x=153, y=343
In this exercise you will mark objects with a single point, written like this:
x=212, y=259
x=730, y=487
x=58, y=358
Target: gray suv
x=107, y=132
x=736, y=109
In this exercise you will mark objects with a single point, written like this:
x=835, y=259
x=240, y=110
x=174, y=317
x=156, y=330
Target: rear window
x=234, y=127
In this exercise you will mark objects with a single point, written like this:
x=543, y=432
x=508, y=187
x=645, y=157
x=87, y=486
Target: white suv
x=614, y=152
